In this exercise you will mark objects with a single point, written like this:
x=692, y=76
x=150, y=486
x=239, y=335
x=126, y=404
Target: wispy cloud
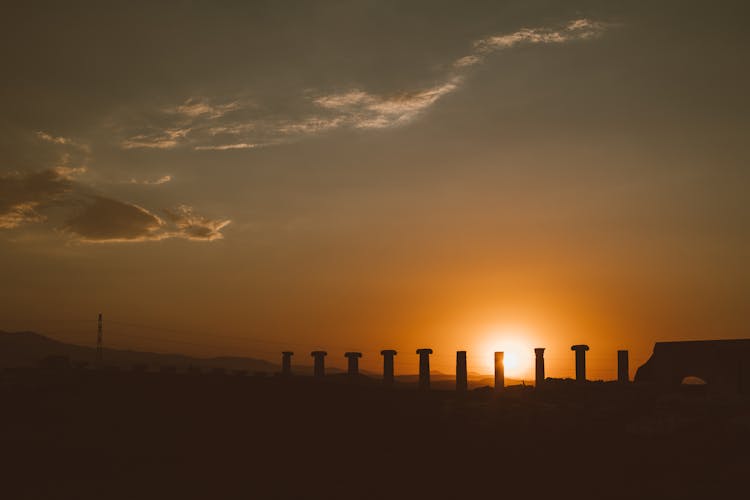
x=155, y=182
x=579, y=29
x=53, y=139
x=19, y=214
x=195, y=227
x=224, y=147
x=193, y=108
x=210, y=125
x=72, y=156
x=161, y=139
x=363, y=110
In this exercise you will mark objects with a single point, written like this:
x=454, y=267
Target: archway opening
x=693, y=381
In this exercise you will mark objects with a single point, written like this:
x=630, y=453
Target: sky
x=241, y=178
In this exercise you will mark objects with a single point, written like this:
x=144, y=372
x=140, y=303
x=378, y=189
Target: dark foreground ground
x=86, y=434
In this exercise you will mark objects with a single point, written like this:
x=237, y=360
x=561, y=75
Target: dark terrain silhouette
x=28, y=348
x=70, y=432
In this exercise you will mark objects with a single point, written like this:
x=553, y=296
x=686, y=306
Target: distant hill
x=28, y=348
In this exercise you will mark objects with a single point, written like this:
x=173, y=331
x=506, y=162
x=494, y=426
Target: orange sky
x=363, y=176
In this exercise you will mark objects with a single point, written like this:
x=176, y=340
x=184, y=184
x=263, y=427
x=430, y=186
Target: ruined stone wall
x=723, y=364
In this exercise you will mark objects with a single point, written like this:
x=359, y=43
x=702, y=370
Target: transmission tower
x=99, y=340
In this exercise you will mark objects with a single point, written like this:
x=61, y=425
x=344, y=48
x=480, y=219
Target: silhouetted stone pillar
x=539, y=381
x=388, y=365
x=424, y=368
x=319, y=369
x=623, y=367
x=286, y=363
x=580, y=350
x=353, y=366
x=499, y=371
x=461, y=375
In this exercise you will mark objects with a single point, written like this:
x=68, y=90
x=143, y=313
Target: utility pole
x=99, y=341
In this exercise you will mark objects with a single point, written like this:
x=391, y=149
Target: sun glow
x=518, y=350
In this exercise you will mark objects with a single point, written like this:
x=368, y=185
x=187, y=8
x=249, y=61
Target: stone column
x=286, y=363
x=461, y=375
x=388, y=365
x=539, y=351
x=623, y=367
x=580, y=350
x=499, y=371
x=320, y=363
x=424, y=368
x=353, y=365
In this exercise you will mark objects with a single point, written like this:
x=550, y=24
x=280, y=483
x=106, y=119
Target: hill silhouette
x=19, y=349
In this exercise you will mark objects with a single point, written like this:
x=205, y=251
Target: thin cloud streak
x=224, y=147
x=156, y=182
x=164, y=139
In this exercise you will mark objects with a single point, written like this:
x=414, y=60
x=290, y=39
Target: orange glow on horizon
x=517, y=345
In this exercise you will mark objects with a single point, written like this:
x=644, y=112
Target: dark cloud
x=105, y=219
x=33, y=197
x=24, y=196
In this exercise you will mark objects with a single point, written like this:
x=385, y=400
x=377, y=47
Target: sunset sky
x=241, y=178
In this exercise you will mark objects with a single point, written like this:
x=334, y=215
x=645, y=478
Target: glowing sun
x=518, y=358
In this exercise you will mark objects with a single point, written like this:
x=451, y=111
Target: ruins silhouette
x=353, y=362
x=539, y=368
x=499, y=371
x=286, y=363
x=580, y=351
x=424, y=368
x=462, y=379
x=388, y=355
x=319, y=368
x=722, y=364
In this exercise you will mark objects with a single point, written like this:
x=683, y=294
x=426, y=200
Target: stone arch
x=723, y=364
x=694, y=380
